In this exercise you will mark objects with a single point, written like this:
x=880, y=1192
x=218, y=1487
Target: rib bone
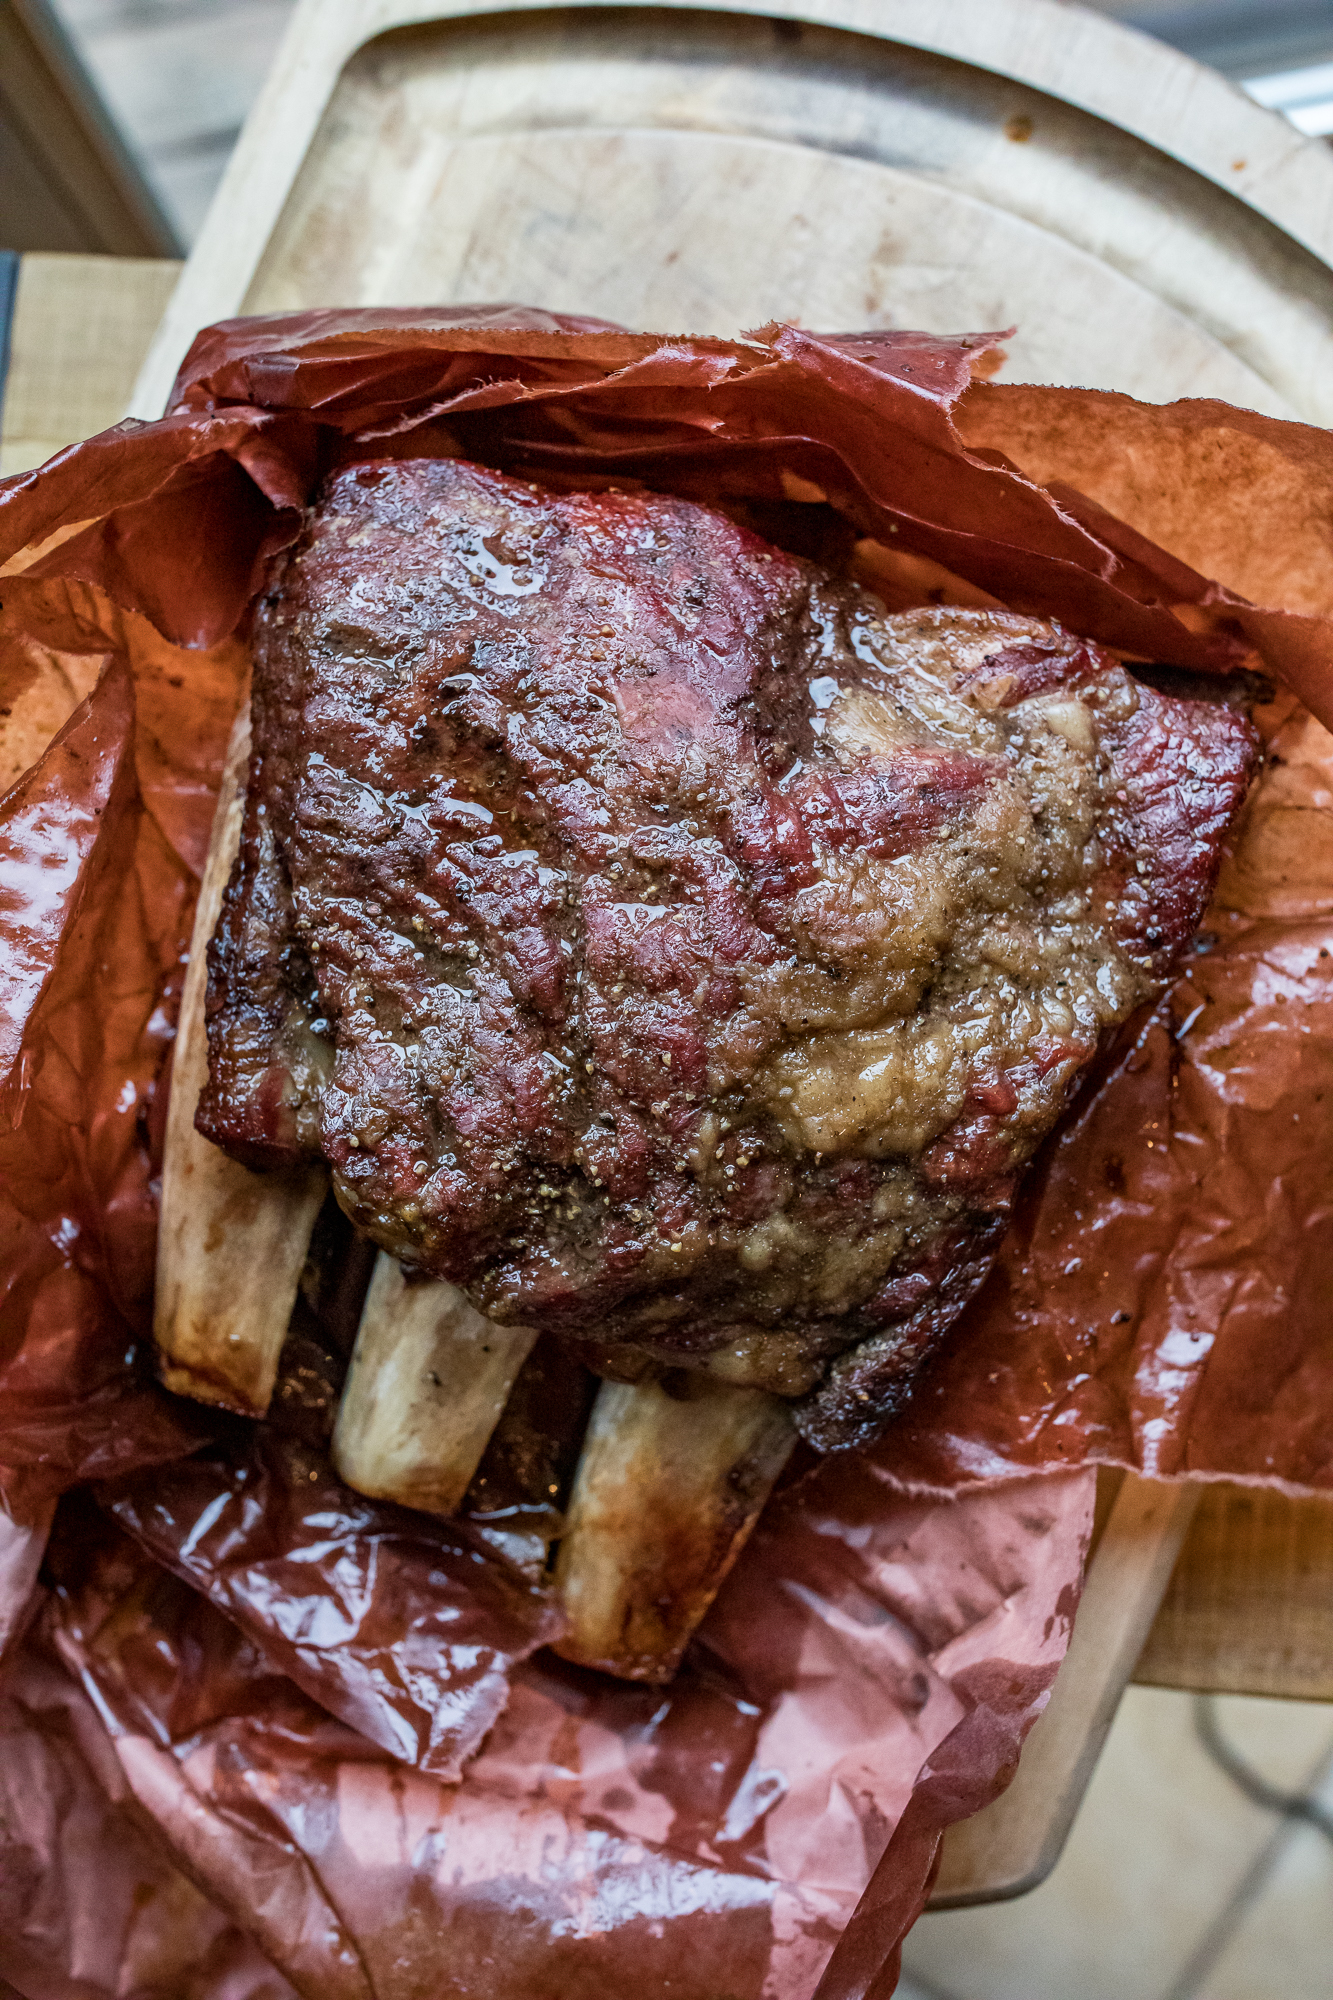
x=428, y=1380
x=231, y=1243
x=670, y=1483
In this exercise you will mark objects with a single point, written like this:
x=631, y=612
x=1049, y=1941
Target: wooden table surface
x=1249, y=1608
x=79, y=330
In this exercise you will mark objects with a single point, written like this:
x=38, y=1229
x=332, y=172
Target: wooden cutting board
x=840, y=163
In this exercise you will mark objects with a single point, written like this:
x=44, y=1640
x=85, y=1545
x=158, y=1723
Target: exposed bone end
x=230, y=1257
x=671, y=1481
x=232, y=1243
x=428, y=1380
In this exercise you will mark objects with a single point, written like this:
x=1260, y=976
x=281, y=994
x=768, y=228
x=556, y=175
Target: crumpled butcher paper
x=262, y=1737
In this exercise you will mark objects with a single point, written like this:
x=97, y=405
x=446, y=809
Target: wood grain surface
x=832, y=160
x=1249, y=1609
x=80, y=328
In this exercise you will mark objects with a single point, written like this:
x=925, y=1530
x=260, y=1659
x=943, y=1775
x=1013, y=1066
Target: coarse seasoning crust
x=667, y=945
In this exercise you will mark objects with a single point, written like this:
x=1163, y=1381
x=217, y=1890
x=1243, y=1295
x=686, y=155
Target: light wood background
x=1249, y=1608
x=80, y=328
x=841, y=161
x=1249, y=1605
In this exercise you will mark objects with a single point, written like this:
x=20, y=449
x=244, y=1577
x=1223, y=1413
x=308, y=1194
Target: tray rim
x=1096, y=65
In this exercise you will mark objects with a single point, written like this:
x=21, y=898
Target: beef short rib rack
x=666, y=945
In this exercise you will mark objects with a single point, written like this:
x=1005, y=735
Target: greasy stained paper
x=705, y=1840
x=401, y=1625
x=275, y=1683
